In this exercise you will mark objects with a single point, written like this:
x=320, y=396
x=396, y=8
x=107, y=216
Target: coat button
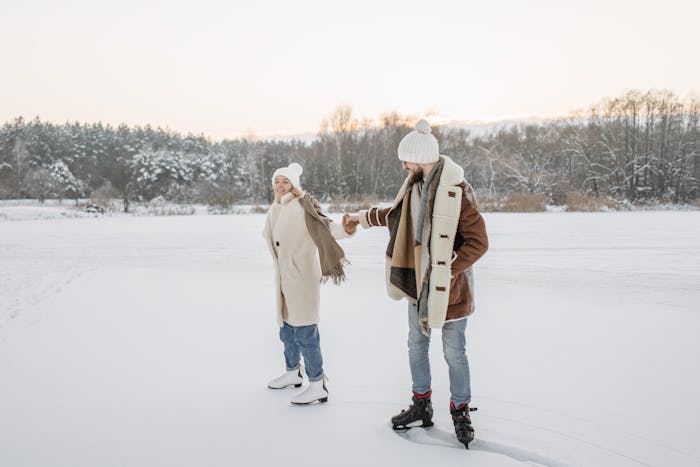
x=277, y=243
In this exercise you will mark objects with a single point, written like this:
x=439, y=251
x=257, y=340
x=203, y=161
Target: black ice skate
x=463, y=424
x=418, y=414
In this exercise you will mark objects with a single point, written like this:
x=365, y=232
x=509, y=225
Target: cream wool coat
x=296, y=264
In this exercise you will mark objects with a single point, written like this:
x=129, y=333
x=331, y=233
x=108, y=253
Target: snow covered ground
x=148, y=341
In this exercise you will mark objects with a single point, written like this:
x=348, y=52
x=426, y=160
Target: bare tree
x=20, y=158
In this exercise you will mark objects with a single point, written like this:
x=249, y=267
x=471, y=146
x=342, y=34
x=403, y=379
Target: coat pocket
x=289, y=268
x=457, y=288
x=438, y=295
x=294, y=265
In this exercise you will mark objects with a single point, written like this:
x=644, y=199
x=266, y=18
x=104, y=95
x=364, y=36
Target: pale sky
x=226, y=68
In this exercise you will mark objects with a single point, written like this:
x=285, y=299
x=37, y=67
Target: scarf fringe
x=336, y=273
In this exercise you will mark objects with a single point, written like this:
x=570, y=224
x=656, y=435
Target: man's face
x=414, y=168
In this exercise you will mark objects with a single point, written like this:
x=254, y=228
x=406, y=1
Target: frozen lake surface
x=148, y=341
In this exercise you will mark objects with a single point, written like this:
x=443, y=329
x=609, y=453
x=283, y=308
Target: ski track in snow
x=26, y=284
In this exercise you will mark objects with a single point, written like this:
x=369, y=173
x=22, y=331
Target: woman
x=302, y=243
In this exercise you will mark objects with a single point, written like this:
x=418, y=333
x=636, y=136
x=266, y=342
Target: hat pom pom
x=296, y=168
x=422, y=126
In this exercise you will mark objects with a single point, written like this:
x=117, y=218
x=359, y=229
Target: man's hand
x=350, y=222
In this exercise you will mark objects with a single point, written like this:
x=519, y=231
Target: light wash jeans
x=454, y=341
x=303, y=340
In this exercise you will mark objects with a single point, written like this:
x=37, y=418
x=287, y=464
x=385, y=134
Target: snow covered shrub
x=576, y=201
x=170, y=210
x=67, y=185
x=558, y=190
x=158, y=202
x=160, y=173
x=159, y=206
x=230, y=210
x=514, y=202
x=488, y=203
x=104, y=196
x=525, y=202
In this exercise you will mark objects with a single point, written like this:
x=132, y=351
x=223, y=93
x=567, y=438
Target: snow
x=148, y=341
x=27, y=210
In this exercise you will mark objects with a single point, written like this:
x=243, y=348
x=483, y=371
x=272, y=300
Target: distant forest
x=642, y=147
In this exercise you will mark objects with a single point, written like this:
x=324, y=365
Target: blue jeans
x=303, y=340
x=454, y=341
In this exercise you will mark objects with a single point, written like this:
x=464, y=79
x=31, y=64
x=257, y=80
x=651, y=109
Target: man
x=436, y=235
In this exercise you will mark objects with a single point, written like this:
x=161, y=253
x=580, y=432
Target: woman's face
x=281, y=185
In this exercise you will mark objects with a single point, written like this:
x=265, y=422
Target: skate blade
x=405, y=428
x=322, y=400
x=466, y=441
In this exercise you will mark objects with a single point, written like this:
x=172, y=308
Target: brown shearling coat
x=470, y=243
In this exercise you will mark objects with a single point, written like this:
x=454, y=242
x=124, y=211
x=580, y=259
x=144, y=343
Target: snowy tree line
x=640, y=147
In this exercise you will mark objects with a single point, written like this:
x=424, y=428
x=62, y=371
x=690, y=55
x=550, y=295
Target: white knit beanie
x=419, y=146
x=292, y=172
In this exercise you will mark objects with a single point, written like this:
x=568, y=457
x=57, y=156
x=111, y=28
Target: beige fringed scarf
x=330, y=254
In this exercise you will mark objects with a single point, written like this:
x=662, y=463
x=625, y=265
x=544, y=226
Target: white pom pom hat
x=293, y=171
x=419, y=146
